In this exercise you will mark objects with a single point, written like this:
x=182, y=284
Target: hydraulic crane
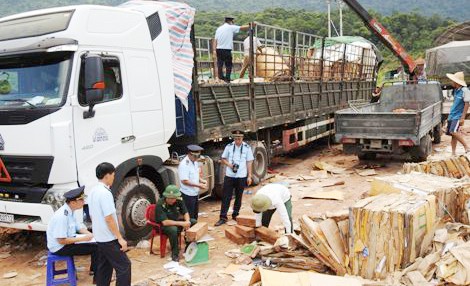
x=384, y=36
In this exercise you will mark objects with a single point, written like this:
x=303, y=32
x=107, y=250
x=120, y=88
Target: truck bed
x=421, y=109
x=225, y=107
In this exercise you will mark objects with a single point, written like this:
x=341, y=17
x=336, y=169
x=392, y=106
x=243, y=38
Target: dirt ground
x=26, y=248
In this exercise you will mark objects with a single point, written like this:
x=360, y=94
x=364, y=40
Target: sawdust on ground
x=24, y=261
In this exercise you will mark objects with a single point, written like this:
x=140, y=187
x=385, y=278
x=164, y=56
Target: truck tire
x=132, y=200
x=421, y=152
x=219, y=171
x=260, y=164
x=436, y=133
x=367, y=155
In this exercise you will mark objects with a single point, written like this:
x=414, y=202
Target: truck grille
x=29, y=170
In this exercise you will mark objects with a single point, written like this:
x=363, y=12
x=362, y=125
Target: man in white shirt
x=238, y=159
x=270, y=198
x=223, y=46
x=62, y=230
x=190, y=180
x=246, y=52
x=111, y=244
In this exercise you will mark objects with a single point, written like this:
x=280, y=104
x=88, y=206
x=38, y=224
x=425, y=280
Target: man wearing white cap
x=458, y=111
x=270, y=198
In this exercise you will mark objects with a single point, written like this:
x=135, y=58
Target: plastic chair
x=157, y=229
x=51, y=271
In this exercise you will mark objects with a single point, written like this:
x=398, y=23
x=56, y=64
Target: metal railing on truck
x=295, y=76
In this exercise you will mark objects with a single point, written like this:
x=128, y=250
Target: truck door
x=107, y=136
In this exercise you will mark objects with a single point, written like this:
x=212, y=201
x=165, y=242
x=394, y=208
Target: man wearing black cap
x=190, y=180
x=238, y=157
x=223, y=46
x=64, y=233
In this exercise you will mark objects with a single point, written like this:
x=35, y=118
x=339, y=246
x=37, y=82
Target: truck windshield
x=34, y=81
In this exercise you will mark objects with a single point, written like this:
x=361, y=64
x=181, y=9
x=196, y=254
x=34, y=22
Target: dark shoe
x=220, y=222
x=175, y=258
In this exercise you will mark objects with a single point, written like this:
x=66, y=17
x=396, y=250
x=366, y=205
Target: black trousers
x=224, y=57
x=192, y=204
x=232, y=185
x=81, y=249
x=111, y=257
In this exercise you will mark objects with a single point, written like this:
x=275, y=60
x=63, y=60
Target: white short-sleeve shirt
x=62, y=225
x=246, y=45
x=101, y=204
x=188, y=170
x=238, y=155
x=279, y=195
x=224, y=36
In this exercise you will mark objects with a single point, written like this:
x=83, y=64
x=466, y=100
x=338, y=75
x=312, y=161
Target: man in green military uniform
x=171, y=212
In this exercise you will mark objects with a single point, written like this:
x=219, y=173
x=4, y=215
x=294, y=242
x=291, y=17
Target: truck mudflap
x=29, y=216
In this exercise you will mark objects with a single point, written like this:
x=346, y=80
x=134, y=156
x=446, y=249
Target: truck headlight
x=55, y=198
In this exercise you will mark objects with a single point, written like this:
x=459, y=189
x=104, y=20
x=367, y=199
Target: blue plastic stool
x=71, y=278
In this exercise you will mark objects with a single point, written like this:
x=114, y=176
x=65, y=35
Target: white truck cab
x=82, y=85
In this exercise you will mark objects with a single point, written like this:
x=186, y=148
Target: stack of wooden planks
x=390, y=231
x=454, y=167
x=452, y=195
x=327, y=240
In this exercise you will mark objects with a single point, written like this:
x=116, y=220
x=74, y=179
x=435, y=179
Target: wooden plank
x=234, y=237
x=246, y=220
x=267, y=235
x=197, y=231
x=333, y=237
x=245, y=231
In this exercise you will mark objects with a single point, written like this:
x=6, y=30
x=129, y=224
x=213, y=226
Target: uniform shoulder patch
x=66, y=212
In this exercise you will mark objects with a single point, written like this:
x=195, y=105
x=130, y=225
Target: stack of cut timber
x=326, y=242
x=244, y=231
x=388, y=232
x=451, y=194
x=454, y=167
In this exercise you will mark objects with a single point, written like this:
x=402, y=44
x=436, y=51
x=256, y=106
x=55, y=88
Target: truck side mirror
x=94, y=83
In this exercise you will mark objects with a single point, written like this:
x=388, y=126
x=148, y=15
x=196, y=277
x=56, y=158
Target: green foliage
x=413, y=30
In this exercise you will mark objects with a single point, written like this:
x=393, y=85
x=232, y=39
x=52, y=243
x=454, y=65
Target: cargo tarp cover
x=449, y=58
x=180, y=18
x=334, y=49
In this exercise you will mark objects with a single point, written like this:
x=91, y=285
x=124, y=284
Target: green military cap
x=172, y=192
x=260, y=203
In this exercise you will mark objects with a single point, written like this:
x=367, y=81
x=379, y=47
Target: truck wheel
x=436, y=134
x=132, y=200
x=260, y=164
x=367, y=156
x=219, y=171
x=421, y=152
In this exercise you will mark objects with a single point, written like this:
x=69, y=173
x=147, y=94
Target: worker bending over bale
x=270, y=198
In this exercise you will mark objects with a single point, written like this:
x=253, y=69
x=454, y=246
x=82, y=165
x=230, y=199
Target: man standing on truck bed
x=458, y=111
x=238, y=158
x=224, y=45
x=190, y=180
